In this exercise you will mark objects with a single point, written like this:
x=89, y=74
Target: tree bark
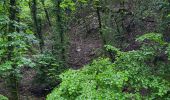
x=111, y=55
x=46, y=12
x=13, y=82
x=60, y=29
x=37, y=24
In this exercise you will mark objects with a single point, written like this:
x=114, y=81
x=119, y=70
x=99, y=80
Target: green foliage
x=168, y=51
x=3, y=97
x=155, y=37
x=20, y=46
x=20, y=43
x=48, y=69
x=71, y=4
x=165, y=19
x=96, y=81
x=134, y=75
x=113, y=49
x=68, y=4
x=139, y=74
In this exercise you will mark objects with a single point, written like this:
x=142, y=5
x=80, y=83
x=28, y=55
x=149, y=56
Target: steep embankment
x=85, y=41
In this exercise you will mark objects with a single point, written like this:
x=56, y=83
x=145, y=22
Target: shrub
x=48, y=69
x=3, y=97
x=140, y=74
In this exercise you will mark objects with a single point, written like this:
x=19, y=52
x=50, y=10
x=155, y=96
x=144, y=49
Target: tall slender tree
x=13, y=82
x=98, y=8
x=60, y=29
x=37, y=23
x=46, y=12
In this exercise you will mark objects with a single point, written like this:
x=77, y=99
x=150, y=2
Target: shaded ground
x=26, y=85
x=83, y=49
x=84, y=38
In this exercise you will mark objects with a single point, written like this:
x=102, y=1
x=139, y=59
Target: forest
x=84, y=49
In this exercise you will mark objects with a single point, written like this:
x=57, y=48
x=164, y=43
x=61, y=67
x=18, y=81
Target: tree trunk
x=111, y=55
x=46, y=13
x=60, y=29
x=100, y=24
x=13, y=82
x=37, y=24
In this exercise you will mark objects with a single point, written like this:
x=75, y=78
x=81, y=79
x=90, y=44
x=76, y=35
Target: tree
x=37, y=23
x=46, y=12
x=14, y=45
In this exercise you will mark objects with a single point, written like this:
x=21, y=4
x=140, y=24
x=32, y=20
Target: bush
x=140, y=74
x=47, y=68
x=3, y=97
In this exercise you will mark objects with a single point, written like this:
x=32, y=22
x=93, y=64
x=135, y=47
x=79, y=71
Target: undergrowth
x=138, y=74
